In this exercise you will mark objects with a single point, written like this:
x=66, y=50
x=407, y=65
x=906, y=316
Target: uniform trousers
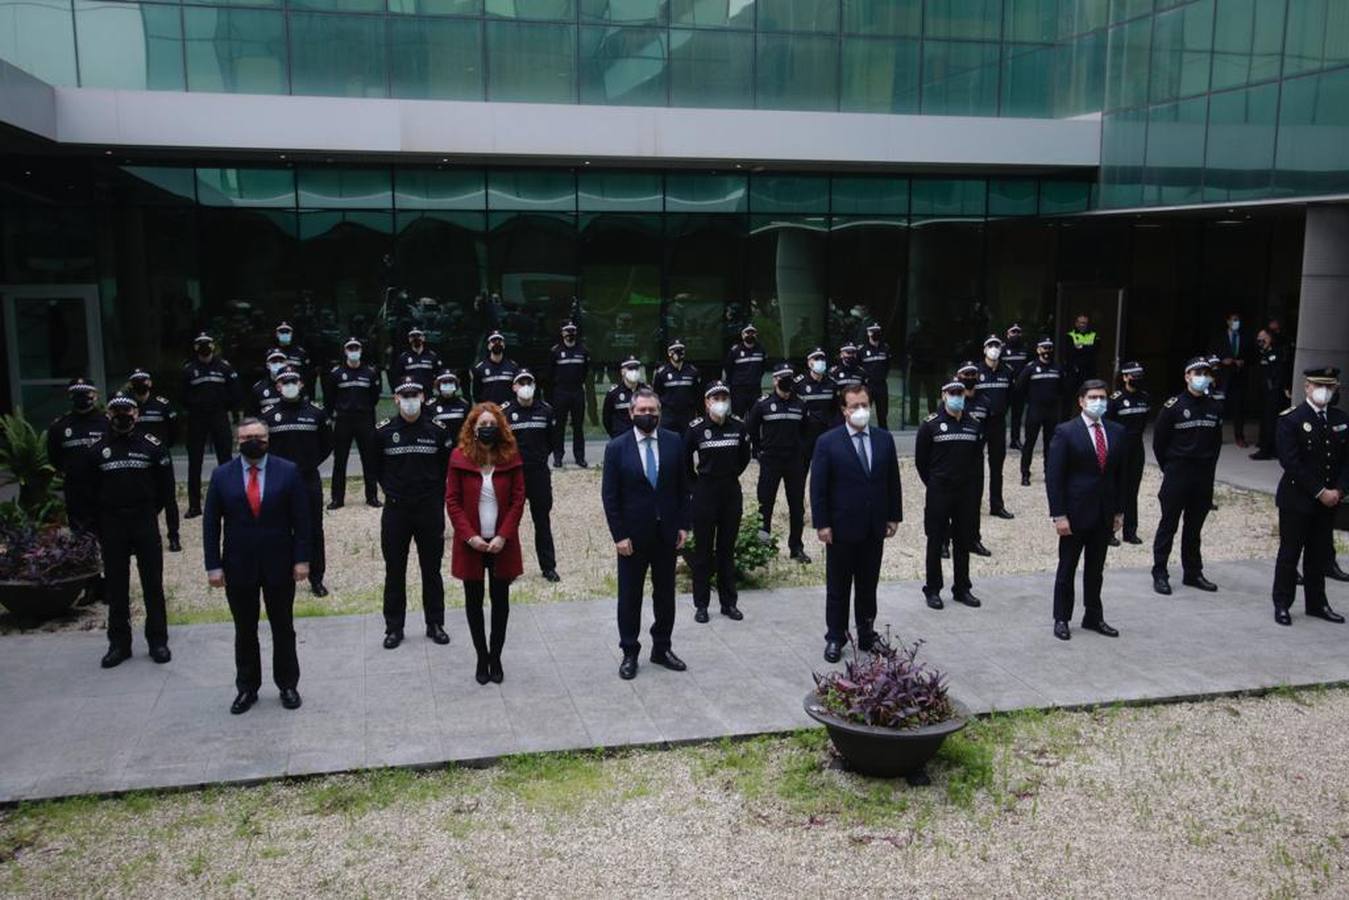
x=539, y=493
x=1187, y=491
x=420, y=520
x=122, y=534
x=204, y=425
x=789, y=473
x=347, y=427
x=717, y=510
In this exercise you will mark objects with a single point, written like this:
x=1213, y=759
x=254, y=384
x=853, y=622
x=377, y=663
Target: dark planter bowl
x=33, y=602
x=884, y=752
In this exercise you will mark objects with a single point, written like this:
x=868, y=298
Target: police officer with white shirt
x=533, y=423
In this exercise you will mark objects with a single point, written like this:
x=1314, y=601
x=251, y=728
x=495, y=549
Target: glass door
x=52, y=334
x=1103, y=305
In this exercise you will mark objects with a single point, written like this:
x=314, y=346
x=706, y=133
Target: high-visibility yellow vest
x=1082, y=339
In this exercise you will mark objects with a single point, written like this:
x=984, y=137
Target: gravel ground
x=1243, y=527
x=1228, y=798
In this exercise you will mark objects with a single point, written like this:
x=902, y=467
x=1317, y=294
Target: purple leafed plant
x=888, y=688
x=44, y=555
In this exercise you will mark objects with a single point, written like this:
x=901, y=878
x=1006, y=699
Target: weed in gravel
x=556, y=781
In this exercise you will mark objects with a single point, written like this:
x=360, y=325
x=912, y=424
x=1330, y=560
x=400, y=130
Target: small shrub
x=888, y=688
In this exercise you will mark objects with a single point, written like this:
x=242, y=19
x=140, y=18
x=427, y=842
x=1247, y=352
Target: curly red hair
x=482, y=455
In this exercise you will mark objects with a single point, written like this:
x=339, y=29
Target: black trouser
x=974, y=504
x=743, y=397
x=570, y=404
x=1095, y=543
x=995, y=437
x=500, y=592
x=203, y=425
x=1016, y=405
x=717, y=509
x=879, y=391
x=318, y=558
x=1134, y=457
x=539, y=493
x=171, y=516
x=1271, y=404
x=1310, y=534
x=923, y=383
x=361, y=428
x=1234, y=409
x=649, y=552
x=280, y=601
x=851, y=567
x=121, y=534
x=404, y=521
x=1040, y=422
x=1187, y=490
x=793, y=479
x=947, y=516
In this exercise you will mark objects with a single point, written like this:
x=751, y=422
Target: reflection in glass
x=960, y=78
x=788, y=269
x=1314, y=135
x=340, y=56
x=965, y=19
x=436, y=59
x=711, y=69
x=1181, y=58
x=946, y=310
x=345, y=188
x=1126, y=76
x=531, y=61
x=129, y=46
x=625, y=12
x=1240, y=153
x=705, y=260
x=879, y=75
x=883, y=17
x=1247, y=36
x=1123, y=144
x=789, y=193
x=867, y=259
x=531, y=189
x=797, y=71
x=871, y=195
x=798, y=15
x=440, y=189
x=1175, y=154
x=38, y=36
x=235, y=50
x=620, y=287
x=442, y=265
x=531, y=261
x=246, y=187
x=713, y=13
x=619, y=191
x=705, y=193
x=626, y=66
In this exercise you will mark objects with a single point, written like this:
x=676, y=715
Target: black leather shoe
x=668, y=659
x=1101, y=628
x=1200, y=582
x=437, y=634
x=1328, y=614
x=374, y=503
x=242, y=702
x=1014, y=445
x=978, y=549
x=583, y=464
x=160, y=653
x=392, y=639
x=966, y=598
x=833, y=651
x=495, y=674
x=1025, y=481
x=801, y=556
x=336, y=504
x=1132, y=539
x=1113, y=542
x=551, y=575
x=1334, y=572
x=1001, y=514
x=290, y=698
x=700, y=615
x=481, y=673
x=1298, y=579
x=115, y=657
x=318, y=590
x=557, y=464
x=867, y=642
x=175, y=545
x=1061, y=630
x=1262, y=455
x=933, y=599
x=627, y=669
x=732, y=613
x=193, y=512
x=945, y=551
x=1162, y=585
x=1282, y=617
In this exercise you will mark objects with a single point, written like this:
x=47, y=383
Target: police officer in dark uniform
x=1015, y=355
x=297, y=357
x=119, y=485
x=1274, y=382
x=350, y=395
x=976, y=409
x=847, y=373
x=263, y=396
x=1041, y=383
x=1186, y=441
x=411, y=455
x=418, y=362
x=677, y=385
x=616, y=416
x=949, y=460
x=494, y=373
x=447, y=407
x=301, y=432
x=157, y=416
x=533, y=422
x=776, y=425
x=995, y=389
x=1130, y=406
x=743, y=370
x=70, y=436
x=568, y=368
x=211, y=391
x=876, y=363
x=716, y=451
x=1313, y=442
x=816, y=390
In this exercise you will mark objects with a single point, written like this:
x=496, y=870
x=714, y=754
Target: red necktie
x=1100, y=446
x=254, y=492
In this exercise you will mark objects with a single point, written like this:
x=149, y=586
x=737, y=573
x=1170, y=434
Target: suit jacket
x=1076, y=486
x=260, y=550
x=1314, y=456
x=844, y=497
x=632, y=507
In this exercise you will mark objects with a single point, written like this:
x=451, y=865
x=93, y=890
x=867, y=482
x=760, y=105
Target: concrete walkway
x=69, y=727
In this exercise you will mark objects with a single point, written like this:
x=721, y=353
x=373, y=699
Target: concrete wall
x=1323, y=312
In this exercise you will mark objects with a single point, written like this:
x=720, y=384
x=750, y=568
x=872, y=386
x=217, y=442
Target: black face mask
x=1044, y=357
x=677, y=357
x=784, y=385
x=82, y=403
x=489, y=435
x=749, y=341
x=496, y=349
x=646, y=422
x=969, y=384
x=417, y=346
x=122, y=423
x=849, y=360
x=140, y=388
x=253, y=448
x=204, y=355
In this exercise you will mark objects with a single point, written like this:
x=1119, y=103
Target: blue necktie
x=862, y=452
x=652, y=473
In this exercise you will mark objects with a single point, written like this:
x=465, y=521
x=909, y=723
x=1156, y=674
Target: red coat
x=463, y=489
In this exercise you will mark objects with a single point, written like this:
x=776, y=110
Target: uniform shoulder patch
x=696, y=422
x=151, y=438
x=162, y=399
x=932, y=417
x=1117, y=395
x=440, y=425
x=1171, y=402
x=1288, y=410
x=382, y=422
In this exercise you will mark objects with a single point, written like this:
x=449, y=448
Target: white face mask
x=818, y=366
x=1321, y=396
x=719, y=409
x=632, y=376
x=1095, y=407
x=274, y=367
x=1235, y=324
x=290, y=391
x=1200, y=383
x=525, y=392
x=448, y=389
x=353, y=356
x=860, y=417
x=283, y=338
x=409, y=406
x=993, y=353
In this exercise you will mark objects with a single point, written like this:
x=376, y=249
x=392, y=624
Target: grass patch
x=562, y=781
x=364, y=792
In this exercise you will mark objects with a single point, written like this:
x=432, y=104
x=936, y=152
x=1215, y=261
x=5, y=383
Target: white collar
x=1089, y=421
x=642, y=436
x=1319, y=410
x=854, y=432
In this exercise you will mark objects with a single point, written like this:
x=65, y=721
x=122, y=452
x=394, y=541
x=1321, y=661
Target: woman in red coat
x=485, y=497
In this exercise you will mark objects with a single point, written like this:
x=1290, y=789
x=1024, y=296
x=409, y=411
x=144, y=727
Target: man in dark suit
x=646, y=503
x=1234, y=350
x=1084, y=478
x=855, y=504
x=262, y=501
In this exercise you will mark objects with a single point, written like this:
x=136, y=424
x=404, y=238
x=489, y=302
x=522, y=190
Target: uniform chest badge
x=1307, y=427
x=515, y=416
x=69, y=432
x=981, y=377
x=707, y=433
x=1126, y=402
x=772, y=407
x=622, y=396
x=396, y=437
x=277, y=417
x=943, y=426
x=1185, y=413
x=107, y=452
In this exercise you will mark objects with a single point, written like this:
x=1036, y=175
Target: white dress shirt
x=654, y=438
x=866, y=442
x=1092, y=423
x=487, y=506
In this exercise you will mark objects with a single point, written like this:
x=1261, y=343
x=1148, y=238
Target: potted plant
x=886, y=713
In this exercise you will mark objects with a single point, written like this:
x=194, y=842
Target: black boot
x=478, y=633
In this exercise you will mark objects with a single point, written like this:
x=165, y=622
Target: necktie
x=652, y=473
x=1100, y=446
x=862, y=452
x=254, y=491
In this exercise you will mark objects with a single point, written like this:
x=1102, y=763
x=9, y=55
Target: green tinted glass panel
x=158, y=185
x=625, y=66
x=620, y=191
x=239, y=51
x=797, y=71
x=339, y=56
x=1031, y=21
x=705, y=193
x=1126, y=77
x=532, y=9
x=1313, y=121
x=1080, y=75
x=625, y=12
x=948, y=196
x=345, y=188
x=1060, y=197
x=963, y=19
x=1241, y=126
x=1123, y=143
x=1181, y=45
x=440, y=189
x=713, y=13
x=960, y=78
x=531, y=190
x=1175, y=153
x=436, y=59
x=1080, y=16
x=711, y=69
x=129, y=46
x=246, y=187
x=531, y=61
x=38, y=37
x=1128, y=9
x=1028, y=81
x=1305, y=37
x=1012, y=196
x=1247, y=42
x=880, y=75
x=883, y=17
x=854, y=195
x=1337, y=35
x=437, y=7
x=789, y=193
x=340, y=5
x=798, y=15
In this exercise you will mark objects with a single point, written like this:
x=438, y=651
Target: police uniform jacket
x=847, y=376
x=1015, y=355
x=449, y=414
x=716, y=453
x=777, y=427
x=616, y=414
x=1188, y=428
x=410, y=458
x=533, y=427
x=744, y=365
x=210, y=387
x=818, y=396
x=73, y=433
x=994, y=387
x=875, y=362
x=158, y=417
x=422, y=367
x=121, y=475
x=492, y=380
x=1130, y=409
x=1314, y=453
x=351, y=391
x=263, y=397
x=678, y=389
x=568, y=366
x=300, y=432
x=1276, y=369
x=1042, y=386
x=947, y=451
